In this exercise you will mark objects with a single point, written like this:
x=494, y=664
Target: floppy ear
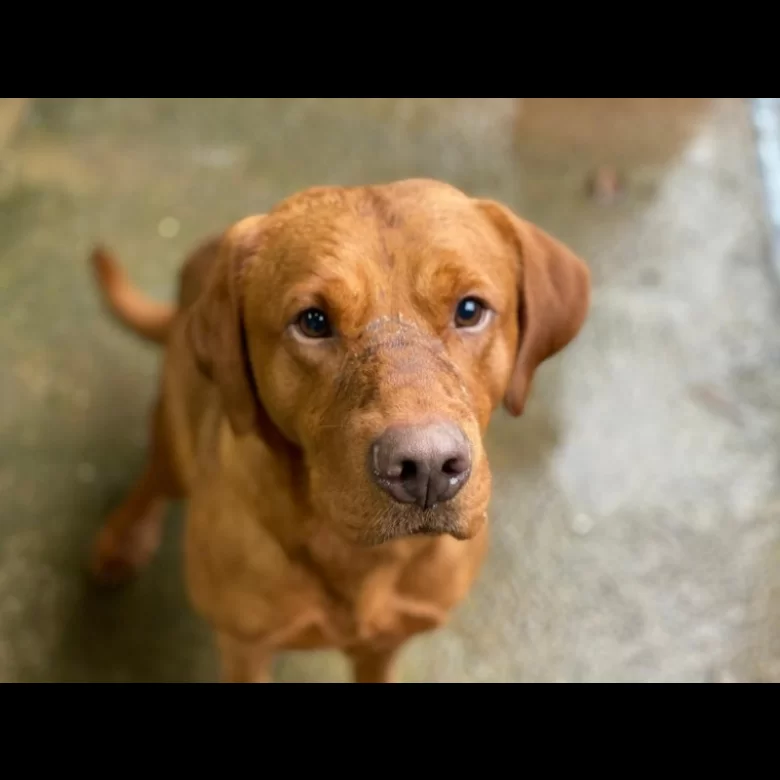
x=215, y=328
x=553, y=297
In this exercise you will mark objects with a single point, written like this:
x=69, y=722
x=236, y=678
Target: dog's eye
x=469, y=313
x=314, y=324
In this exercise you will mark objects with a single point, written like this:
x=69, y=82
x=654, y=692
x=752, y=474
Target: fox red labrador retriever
x=330, y=369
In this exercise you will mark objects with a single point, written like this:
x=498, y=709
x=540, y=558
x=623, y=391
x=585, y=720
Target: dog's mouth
x=433, y=525
x=411, y=521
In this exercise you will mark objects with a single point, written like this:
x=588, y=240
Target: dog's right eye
x=314, y=324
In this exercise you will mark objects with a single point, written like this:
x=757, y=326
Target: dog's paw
x=117, y=559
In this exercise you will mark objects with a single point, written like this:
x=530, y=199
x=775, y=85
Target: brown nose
x=423, y=465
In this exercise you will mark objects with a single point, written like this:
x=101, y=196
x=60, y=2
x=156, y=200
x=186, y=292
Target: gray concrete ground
x=637, y=511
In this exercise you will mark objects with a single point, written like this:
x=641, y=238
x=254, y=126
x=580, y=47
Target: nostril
x=454, y=467
x=408, y=470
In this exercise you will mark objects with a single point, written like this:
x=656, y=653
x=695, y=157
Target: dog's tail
x=146, y=317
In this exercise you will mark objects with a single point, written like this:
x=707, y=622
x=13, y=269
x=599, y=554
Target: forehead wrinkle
x=303, y=274
x=433, y=276
x=340, y=288
x=453, y=275
x=327, y=252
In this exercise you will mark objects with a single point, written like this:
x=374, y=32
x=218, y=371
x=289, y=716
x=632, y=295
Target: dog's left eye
x=469, y=313
x=314, y=324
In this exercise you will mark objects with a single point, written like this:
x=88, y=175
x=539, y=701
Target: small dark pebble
x=605, y=185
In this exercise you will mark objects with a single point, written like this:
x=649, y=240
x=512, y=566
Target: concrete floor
x=637, y=511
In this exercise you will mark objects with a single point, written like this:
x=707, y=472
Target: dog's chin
x=375, y=523
x=405, y=522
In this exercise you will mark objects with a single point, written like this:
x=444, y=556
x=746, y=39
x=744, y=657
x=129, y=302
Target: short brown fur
x=289, y=544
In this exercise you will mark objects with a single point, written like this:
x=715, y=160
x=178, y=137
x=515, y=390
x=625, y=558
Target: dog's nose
x=423, y=465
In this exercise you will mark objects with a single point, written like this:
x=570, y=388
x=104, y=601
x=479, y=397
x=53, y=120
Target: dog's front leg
x=244, y=662
x=374, y=666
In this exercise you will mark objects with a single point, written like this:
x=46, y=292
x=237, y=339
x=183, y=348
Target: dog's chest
x=360, y=602
x=380, y=620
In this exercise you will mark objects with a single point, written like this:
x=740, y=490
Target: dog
x=330, y=370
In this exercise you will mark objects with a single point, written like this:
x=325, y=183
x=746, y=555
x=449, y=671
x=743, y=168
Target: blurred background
x=636, y=519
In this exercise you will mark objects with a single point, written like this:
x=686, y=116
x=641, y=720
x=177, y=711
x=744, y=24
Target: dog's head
x=377, y=329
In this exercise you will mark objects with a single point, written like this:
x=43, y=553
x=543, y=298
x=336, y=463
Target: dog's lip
x=428, y=529
x=438, y=531
x=414, y=522
x=434, y=521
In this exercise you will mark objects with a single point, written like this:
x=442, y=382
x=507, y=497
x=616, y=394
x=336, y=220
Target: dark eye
x=314, y=324
x=469, y=313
